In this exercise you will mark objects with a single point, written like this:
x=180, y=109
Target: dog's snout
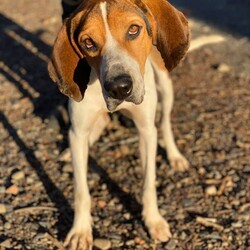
x=119, y=87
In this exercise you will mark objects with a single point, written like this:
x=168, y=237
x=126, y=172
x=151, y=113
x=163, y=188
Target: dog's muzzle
x=119, y=87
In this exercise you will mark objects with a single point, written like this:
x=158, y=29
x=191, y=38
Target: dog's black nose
x=119, y=87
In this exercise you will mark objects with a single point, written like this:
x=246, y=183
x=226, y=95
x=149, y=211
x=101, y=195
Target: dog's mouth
x=112, y=103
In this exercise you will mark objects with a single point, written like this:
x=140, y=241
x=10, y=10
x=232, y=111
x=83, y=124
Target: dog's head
x=115, y=38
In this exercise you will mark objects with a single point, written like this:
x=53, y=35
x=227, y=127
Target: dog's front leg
x=80, y=235
x=144, y=118
x=156, y=224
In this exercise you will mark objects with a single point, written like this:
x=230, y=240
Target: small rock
x=130, y=242
x=211, y=191
x=39, y=236
x=210, y=246
x=7, y=225
x=119, y=207
x=127, y=216
x=246, y=169
x=29, y=180
x=67, y=168
x=115, y=236
x=102, y=243
x=106, y=223
x=124, y=149
x=183, y=235
x=223, y=68
x=2, y=190
x=237, y=224
x=13, y=189
x=6, y=243
x=101, y=204
x=171, y=244
x=180, y=216
x=53, y=123
x=2, y=208
x=17, y=176
x=65, y=155
x=139, y=241
x=104, y=186
x=201, y=171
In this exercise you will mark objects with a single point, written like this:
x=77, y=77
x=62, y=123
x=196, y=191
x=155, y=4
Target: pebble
x=115, y=236
x=6, y=243
x=2, y=189
x=125, y=149
x=127, y=216
x=13, y=189
x=101, y=204
x=201, y=171
x=210, y=246
x=130, y=242
x=211, y=191
x=224, y=68
x=139, y=241
x=106, y=223
x=119, y=207
x=3, y=208
x=171, y=245
x=29, y=180
x=19, y=175
x=65, y=155
x=183, y=235
x=180, y=216
x=67, y=168
x=237, y=224
x=7, y=225
x=187, y=202
x=102, y=243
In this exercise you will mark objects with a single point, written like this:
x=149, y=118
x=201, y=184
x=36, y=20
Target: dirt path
x=207, y=207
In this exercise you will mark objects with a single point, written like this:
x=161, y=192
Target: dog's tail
x=205, y=40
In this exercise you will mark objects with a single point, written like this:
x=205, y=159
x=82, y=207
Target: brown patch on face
x=92, y=28
x=121, y=15
x=120, y=18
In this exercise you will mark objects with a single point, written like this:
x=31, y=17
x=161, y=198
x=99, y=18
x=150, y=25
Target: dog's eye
x=89, y=43
x=134, y=31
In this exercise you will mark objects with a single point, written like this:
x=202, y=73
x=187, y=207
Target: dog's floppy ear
x=172, y=31
x=67, y=66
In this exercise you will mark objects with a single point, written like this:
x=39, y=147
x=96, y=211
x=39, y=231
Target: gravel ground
x=208, y=207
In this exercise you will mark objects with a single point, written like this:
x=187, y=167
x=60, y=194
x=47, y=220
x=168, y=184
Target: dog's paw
x=179, y=163
x=79, y=239
x=159, y=230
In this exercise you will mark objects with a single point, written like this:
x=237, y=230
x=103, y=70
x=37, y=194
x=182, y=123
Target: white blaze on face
x=110, y=42
x=116, y=58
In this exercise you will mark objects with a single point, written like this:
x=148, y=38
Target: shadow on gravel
x=228, y=15
x=24, y=63
x=56, y=196
x=127, y=200
x=61, y=203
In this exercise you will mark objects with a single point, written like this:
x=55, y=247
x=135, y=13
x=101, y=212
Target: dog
x=115, y=55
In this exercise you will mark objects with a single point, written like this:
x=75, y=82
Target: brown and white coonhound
x=115, y=55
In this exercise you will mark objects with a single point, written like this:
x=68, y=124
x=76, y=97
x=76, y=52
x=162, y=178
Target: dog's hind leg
x=98, y=128
x=165, y=89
